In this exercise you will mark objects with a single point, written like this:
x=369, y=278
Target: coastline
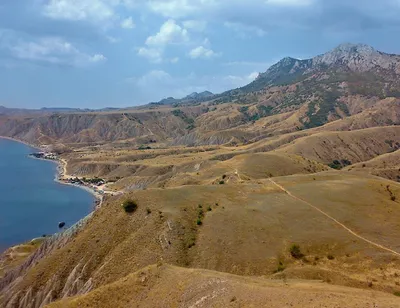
x=23, y=142
x=61, y=171
x=59, y=178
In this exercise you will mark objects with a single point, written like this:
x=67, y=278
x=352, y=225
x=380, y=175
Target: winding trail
x=336, y=221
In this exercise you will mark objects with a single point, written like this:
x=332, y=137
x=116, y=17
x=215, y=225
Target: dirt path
x=333, y=219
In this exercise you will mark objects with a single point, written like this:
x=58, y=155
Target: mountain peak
x=349, y=49
x=196, y=95
x=357, y=57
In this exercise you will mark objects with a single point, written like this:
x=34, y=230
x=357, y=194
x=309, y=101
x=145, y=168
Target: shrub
x=221, y=182
x=224, y=176
x=280, y=268
x=199, y=222
x=393, y=198
x=129, y=206
x=148, y=210
x=396, y=293
x=209, y=209
x=330, y=257
x=201, y=213
x=296, y=252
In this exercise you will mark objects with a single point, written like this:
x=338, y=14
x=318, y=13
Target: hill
x=246, y=229
x=278, y=193
x=214, y=289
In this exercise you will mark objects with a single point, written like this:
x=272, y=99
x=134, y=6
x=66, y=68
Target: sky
x=119, y=53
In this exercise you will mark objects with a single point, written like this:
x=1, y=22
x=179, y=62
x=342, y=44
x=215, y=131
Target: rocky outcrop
x=75, y=284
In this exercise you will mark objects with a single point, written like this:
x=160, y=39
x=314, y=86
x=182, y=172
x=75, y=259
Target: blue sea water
x=31, y=202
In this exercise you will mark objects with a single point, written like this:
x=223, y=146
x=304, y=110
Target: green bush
x=296, y=252
x=396, y=293
x=281, y=267
x=221, y=182
x=199, y=221
x=129, y=206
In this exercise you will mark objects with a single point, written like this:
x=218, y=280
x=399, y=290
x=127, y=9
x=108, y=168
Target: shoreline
x=60, y=179
x=23, y=142
x=60, y=174
x=61, y=171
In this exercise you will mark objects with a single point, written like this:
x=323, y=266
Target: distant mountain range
x=189, y=99
x=339, y=84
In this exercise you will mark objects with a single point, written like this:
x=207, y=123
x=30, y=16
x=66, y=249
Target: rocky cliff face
x=74, y=284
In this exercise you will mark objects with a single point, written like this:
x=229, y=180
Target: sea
x=32, y=203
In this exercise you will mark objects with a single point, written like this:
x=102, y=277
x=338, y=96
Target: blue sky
x=109, y=53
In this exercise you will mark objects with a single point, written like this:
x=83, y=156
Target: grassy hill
x=279, y=193
x=245, y=229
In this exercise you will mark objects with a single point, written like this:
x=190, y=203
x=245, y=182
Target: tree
x=129, y=206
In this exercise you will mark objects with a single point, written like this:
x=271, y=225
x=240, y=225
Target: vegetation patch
x=296, y=252
x=281, y=267
x=340, y=164
x=319, y=111
x=262, y=112
x=129, y=206
x=391, y=193
x=180, y=114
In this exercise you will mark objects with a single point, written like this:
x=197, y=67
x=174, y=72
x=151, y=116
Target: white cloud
x=97, y=58
x=151, y=78
x=192, y=8
x=95, y=10
x=152, y=54
x=128, y=23
x=175, y=8
x=202, y=52
x=195, y=25
x=103, y=13
x=170, y=33
x=245, y=31
x=53, y=50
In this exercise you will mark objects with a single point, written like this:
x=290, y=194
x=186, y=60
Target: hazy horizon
x=123, y=53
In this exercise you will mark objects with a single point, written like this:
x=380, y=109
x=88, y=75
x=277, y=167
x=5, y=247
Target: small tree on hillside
x=296, y=252
x=129, y=206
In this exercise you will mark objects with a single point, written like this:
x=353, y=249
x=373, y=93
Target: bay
x=31, y=202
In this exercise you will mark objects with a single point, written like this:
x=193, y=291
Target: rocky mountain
x=302, y=94
x=189, y=99
x=346, y=58
x=195, y=95
x=320, y=87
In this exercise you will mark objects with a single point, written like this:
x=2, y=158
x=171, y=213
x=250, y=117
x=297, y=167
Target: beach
x=61, y=177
